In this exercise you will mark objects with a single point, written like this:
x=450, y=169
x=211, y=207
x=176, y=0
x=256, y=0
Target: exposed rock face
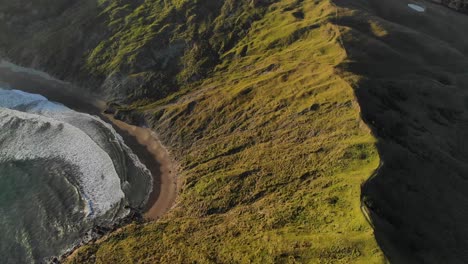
x=459, y=5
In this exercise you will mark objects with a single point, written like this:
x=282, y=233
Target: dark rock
x=298, y=14
x=97, y=232
x=315, y=107
x=111, y=108
x=458, y=5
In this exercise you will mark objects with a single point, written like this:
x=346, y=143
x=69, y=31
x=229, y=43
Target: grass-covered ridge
x=272, y=150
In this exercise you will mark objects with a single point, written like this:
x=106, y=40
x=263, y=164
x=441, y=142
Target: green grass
x=272, y=151
x=165, y=45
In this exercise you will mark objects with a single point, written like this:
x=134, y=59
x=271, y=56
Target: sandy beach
x=142, y=141
x=164, y=185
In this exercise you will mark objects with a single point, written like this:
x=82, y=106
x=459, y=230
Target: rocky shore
x=97, y=232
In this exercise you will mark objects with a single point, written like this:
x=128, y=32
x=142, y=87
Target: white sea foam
x=33, y=127
x=15, y=98
x=33, y=136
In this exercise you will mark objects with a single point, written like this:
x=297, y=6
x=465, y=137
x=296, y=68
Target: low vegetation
x=262, y=103
x=272, y=151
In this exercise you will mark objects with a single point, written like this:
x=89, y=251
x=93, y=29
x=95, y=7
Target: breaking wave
x=61, y=172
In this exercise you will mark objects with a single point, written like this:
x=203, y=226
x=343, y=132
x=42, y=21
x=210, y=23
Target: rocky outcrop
x=459, y=5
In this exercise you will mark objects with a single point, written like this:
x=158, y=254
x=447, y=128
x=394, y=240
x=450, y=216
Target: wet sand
x=143, y=142
x=164, y=189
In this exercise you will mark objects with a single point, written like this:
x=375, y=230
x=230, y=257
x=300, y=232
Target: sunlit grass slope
x=125, y=49
x=272, y=152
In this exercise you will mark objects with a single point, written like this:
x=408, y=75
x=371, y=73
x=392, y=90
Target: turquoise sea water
x=61, y=172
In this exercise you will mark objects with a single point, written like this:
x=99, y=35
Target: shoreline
x=165, y=187
x=142, y=141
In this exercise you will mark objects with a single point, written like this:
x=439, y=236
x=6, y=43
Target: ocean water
x=61, y=173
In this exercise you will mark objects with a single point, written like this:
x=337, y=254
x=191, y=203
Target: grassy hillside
x=123, y=49
x=261, y=103
x=272, y=150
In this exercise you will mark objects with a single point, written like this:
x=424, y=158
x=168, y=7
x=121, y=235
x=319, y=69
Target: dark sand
x=142, y=141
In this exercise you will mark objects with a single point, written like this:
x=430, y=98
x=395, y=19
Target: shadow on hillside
x=413, y=97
